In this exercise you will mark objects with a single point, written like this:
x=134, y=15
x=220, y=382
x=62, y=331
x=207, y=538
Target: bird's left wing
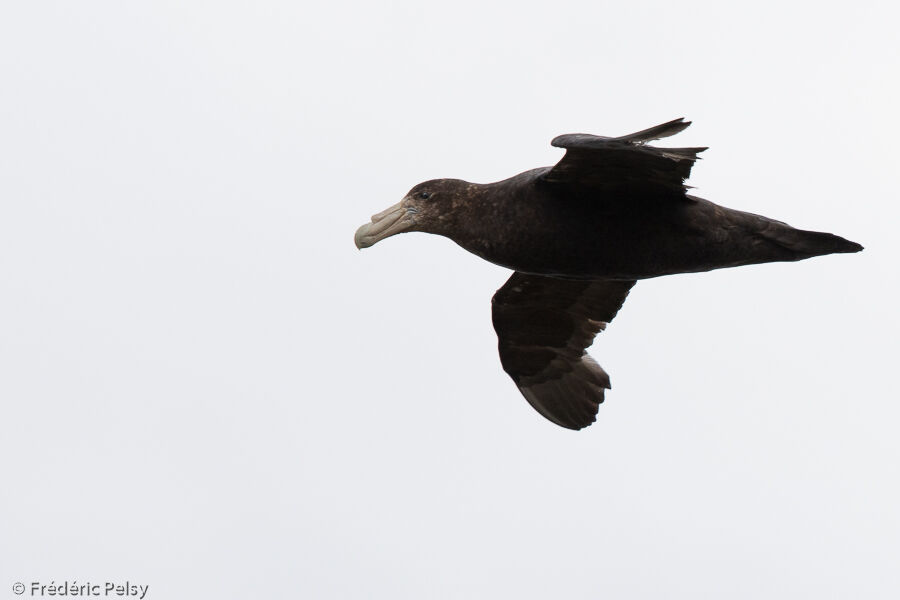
x=544, y=326
x=625, y=167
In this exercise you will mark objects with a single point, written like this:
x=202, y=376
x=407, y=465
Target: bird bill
x=393, y=220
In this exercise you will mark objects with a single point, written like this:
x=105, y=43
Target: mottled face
x=429, y=206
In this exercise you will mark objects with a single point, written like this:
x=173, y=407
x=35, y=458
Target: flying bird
x=579, y=235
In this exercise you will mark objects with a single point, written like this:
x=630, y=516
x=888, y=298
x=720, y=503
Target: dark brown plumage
x=579, y=234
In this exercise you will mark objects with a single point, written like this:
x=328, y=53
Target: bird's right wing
x=625, y=167
x=544, y=326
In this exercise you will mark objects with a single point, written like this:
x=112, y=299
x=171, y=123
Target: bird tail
x=806, y=244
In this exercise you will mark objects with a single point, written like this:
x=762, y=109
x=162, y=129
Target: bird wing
x=544, y=326
x=619, y=167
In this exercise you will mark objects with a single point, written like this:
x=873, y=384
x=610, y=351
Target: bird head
x=429, y=207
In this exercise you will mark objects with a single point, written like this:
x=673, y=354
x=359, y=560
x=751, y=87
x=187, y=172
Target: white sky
x=206, y=388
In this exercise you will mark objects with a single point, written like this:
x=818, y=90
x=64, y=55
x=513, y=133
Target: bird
x=578, y=236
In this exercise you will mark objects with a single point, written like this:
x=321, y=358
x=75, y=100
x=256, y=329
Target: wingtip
x=667, y=129
x=657, y=132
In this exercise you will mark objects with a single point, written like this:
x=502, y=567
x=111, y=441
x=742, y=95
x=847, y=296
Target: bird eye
x=424, y=195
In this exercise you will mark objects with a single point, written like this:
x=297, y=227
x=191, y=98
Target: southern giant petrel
x=578, y=235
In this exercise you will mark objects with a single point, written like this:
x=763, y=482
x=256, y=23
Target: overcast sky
x=205, y=388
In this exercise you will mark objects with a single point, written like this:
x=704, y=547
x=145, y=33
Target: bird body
x=579, y=234
x=573, y=235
